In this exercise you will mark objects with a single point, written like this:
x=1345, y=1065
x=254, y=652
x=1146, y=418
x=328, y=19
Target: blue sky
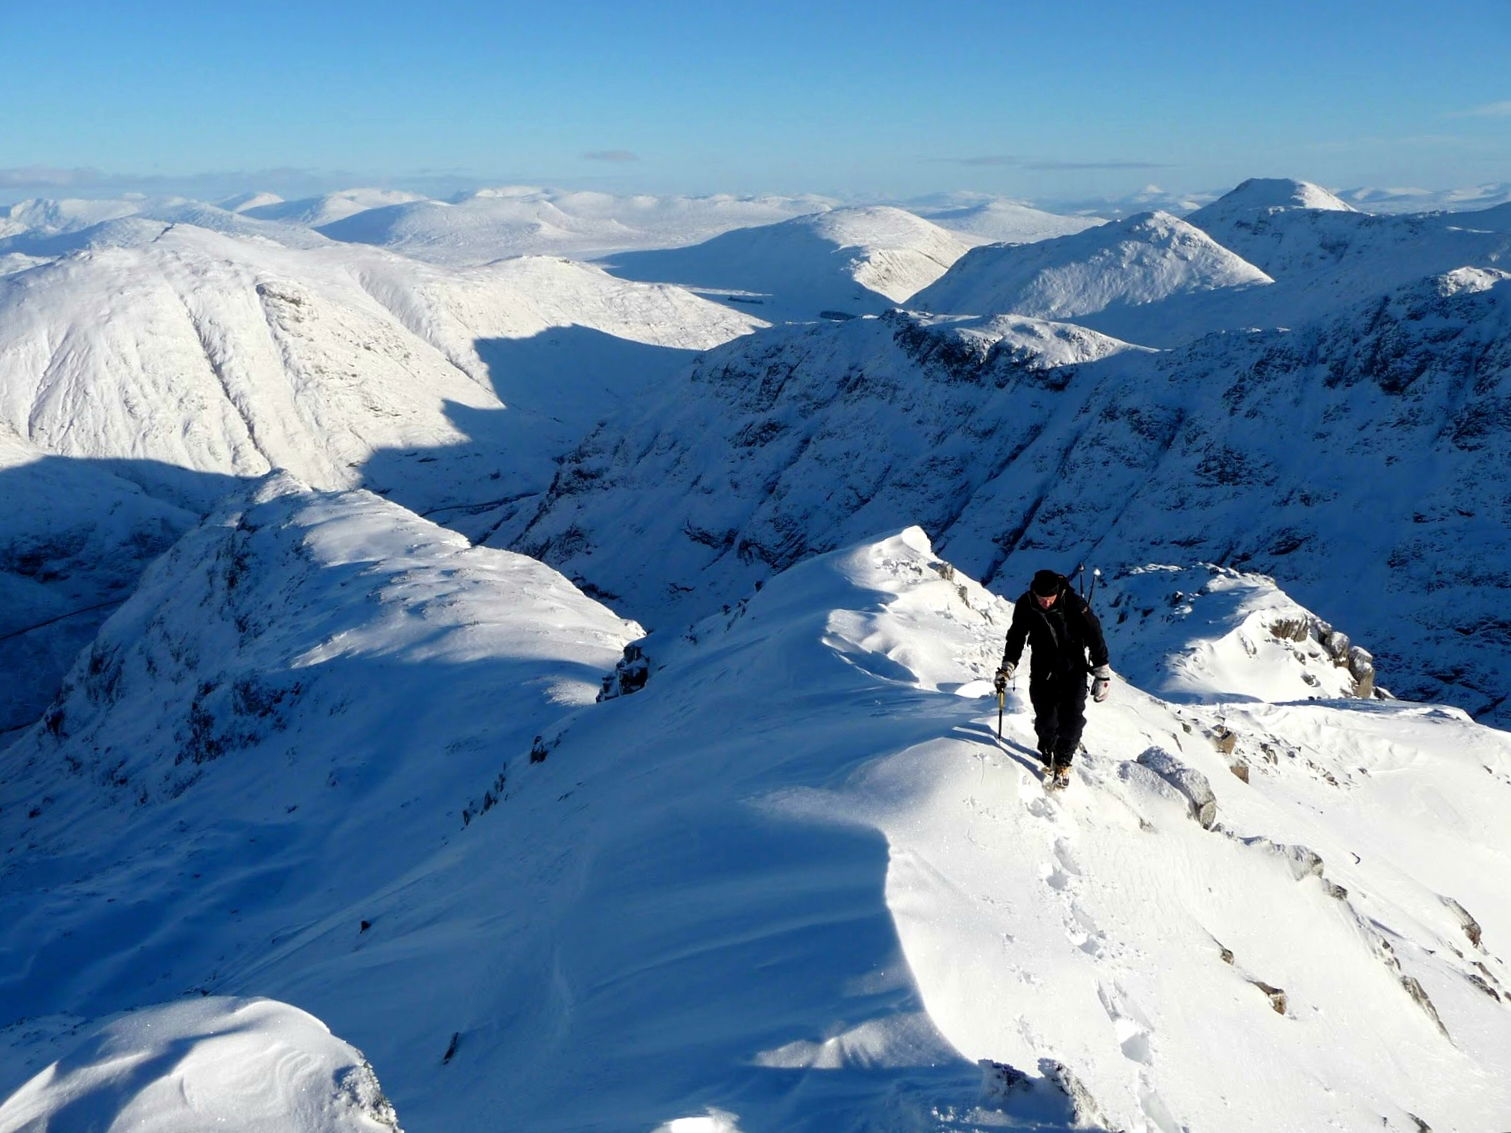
x=864, y=100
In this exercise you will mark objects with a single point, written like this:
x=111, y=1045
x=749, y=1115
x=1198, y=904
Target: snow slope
x=249, y=199
x=75, y=538
x=794, y=882
x=848, y=262
x=1357, y=459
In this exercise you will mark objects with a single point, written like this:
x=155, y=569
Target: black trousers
x=1059, y=702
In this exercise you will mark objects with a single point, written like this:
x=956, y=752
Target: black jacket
x=1059, y=638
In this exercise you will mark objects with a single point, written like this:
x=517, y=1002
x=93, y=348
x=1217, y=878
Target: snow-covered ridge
x=911, y=900
x=277, y=604
x=314, y=212
x=1209, y=633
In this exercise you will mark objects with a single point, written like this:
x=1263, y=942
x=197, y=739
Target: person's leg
x=1042, y=694
x=1070, y=712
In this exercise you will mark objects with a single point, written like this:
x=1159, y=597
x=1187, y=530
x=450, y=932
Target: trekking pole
x=1096, y=575
x=1001, y=699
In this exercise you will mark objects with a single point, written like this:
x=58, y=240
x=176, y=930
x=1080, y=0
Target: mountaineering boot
x=1062, y=774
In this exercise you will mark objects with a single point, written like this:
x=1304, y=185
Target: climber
x=1065, y=643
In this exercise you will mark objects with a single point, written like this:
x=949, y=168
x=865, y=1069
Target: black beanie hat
x=1046, y=582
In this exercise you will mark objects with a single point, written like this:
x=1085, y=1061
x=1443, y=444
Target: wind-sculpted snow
x=794, y=883
x=843, y=262
x=1356, y=460
x=252, y=1065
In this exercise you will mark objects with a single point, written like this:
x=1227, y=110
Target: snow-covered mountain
x=1360, y=458
x=1401, y=200
x=1325, y=253
x=1263, y=194
x=840, y=263
x=994, y=220
x=313, y=212
x=807, y=438
x=50, y=217
x=527, y=220
x=177, y=360
x=1270, y=253
x=210, y=354
x=336, y=758
x=252, y=198
x=1105, y=277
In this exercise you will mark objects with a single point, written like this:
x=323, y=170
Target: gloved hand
x=1101, y=683
x=1004, y=675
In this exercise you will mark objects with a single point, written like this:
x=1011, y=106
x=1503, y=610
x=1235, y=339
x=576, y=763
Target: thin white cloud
x=617, y=155
x=47, y=177
x=1500, y=109
x=1044, y=164
x=1073, y=165
x=984, y=159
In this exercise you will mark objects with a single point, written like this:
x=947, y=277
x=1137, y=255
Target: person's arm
x=1091, y=635
x=1017, y=634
